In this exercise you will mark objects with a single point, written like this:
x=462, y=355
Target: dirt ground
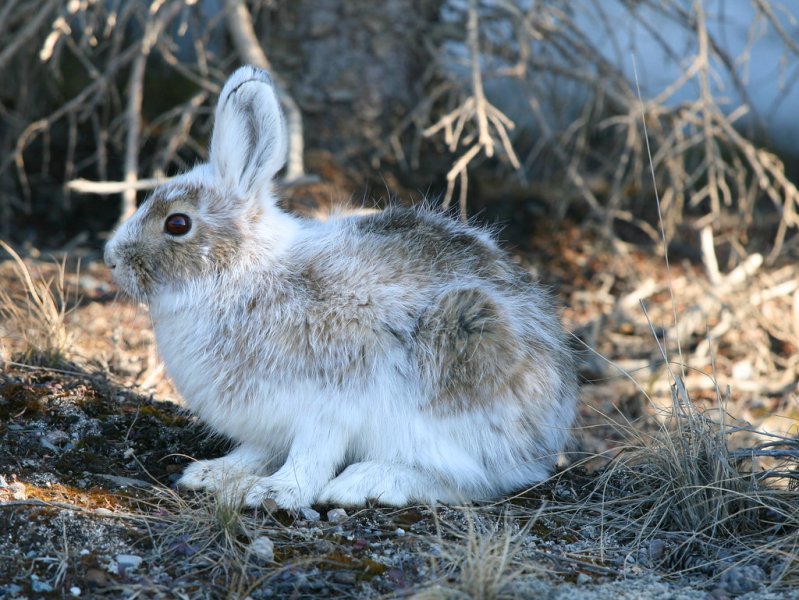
x=90, y=450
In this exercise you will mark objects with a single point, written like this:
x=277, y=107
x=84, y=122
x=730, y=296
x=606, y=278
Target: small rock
x=18, y=491
x=122, y=482
x=128, y=562
x=263, y=548
x=97, y=577
x=75, y=591
x=336, y=514
x=399, y=532
x=103, y=512
x=345, y=577
x=309, y=514
x=39, y=586
x=741, y=579
x=657, y=548
x=57, y=437
x=583, y=579
x=324, y=547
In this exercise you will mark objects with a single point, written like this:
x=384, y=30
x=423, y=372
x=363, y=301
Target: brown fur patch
x=468, y=350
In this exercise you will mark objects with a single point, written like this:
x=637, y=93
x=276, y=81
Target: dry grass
x=206, y=536
x=686, y=498
x=482, y=556
x=38, y=314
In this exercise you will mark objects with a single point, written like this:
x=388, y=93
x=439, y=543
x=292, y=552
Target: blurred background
x=512, y=110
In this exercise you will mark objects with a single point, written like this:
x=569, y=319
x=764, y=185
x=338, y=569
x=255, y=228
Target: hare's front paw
x=286, y=495
x=206, y=475
x=220, y=473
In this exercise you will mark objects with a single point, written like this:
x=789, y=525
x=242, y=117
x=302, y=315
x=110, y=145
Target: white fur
x=248, y=100
x=303, y=438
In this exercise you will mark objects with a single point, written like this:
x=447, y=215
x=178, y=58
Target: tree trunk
x=355, y=68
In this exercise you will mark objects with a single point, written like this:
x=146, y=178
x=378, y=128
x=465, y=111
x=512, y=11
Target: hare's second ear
x=248, y=145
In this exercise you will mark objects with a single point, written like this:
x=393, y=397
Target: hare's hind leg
x=467, y=349
x=220, y=473
x=387, y=483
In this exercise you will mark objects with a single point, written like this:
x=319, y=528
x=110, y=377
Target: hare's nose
x=109, y=258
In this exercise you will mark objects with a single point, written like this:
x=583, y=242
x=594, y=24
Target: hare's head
x=207, y=219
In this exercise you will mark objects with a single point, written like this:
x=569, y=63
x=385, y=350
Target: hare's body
x=400, y=356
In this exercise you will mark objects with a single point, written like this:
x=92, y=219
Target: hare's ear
x=248, y=145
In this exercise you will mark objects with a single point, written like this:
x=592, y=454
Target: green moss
x=168, y=419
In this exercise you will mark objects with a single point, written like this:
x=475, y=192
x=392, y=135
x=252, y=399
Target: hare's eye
x=177, y=224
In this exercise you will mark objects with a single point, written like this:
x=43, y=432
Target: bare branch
x=27, y=33
x=84, y=186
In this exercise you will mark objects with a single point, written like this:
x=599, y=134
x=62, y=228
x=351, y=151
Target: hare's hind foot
x=387, y=483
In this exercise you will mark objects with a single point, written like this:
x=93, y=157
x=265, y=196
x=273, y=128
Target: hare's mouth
x=132, y=281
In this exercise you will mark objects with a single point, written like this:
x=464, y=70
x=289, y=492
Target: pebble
x=98, y=577
x=309, y=514
x=583, y=579
x=263, y=548
x=122, y=482
x=40, y=587
x=18, y=491
x=128, y=562
x=75, y=591
x=657, y=549
x=399, y=532
x=741, y=579
x=345, y=577
x=336, y=514
x=57, y=437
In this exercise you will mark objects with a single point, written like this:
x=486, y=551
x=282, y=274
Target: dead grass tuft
x=480, y=556
x=209, y=535
x=684, y=501
x=38, y=315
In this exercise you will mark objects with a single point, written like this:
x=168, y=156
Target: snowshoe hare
x=401, y=356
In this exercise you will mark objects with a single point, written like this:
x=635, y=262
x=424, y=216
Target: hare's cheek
x=180, y=262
